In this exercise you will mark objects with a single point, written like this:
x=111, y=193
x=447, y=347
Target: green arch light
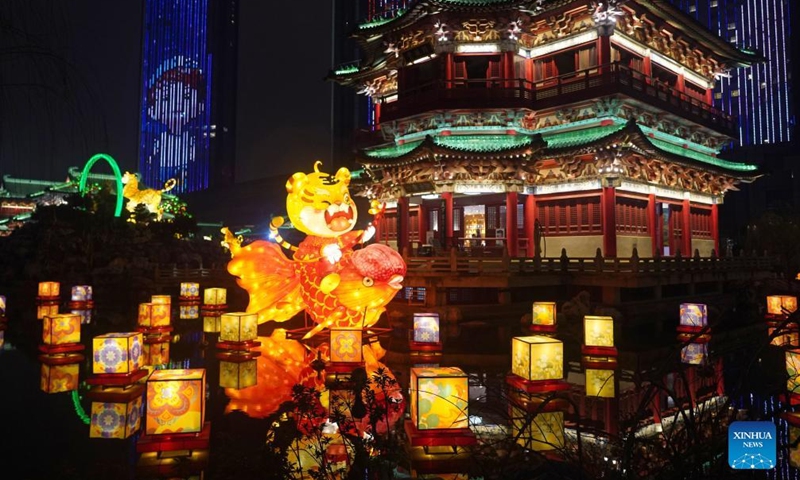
x=117, y=176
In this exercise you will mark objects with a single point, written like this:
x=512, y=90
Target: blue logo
x=752, y=446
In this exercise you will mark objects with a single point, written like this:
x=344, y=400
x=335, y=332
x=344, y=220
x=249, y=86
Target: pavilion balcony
x=562, y=90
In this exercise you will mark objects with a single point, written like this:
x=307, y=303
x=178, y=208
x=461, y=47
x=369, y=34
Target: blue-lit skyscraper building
x=188, y=93
x=760, y=96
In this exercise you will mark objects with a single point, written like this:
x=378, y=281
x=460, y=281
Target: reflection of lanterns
x=2, y=305
x=61, y=329
x=49, y=290
x=599, y=383
x=154, y=315
x=537, y=358
x=215, y=297
x=426, y=327
x=237, y=375
x=43, y=310
x=538, y=431
x=776, y=304
x=116, y=419
x=786, y=338
x=117, y=353
x=598, y=331
x=86, y=316
x=694, y=315
x=189, y=312
x=156, y=353
x=212, y=324
x=190, y=291
x=543, y=318
x=694, y=353
x=239, y=327
x=345, y=346
x=793, y=371
x=439, y=398
x=175, y=401
x=81, y=293
x=59, y=378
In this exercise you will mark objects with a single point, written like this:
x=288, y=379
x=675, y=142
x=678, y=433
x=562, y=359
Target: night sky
x=69, y=85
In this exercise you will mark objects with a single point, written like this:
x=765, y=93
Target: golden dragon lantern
x=337, y=285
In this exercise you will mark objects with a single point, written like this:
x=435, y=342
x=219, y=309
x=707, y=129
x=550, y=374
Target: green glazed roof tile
x=701, y=157
x=576, y=138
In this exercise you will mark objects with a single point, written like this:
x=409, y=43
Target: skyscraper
x=760, y=96
x=188, y=93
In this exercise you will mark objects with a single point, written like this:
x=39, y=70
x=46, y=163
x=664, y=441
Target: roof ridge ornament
x=605, y=16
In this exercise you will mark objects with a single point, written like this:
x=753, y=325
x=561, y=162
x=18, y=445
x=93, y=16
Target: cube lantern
x=426, y=327
x=155, y=353
x=345, y=345
x=599, y=383
x=694, y=315
x=2, y=305
x=598, y=331
x=61, y=329
x=212, y=324
x=237, y=375
x=215, y=296
x=694, y=353
x=238, y=327
x=161, y=300
x=43, y=310
x=81, y=293
x=793, y=370
x=537, y=358
x=544, y=313
x=115, y=420
x=540, y=432
x=154, y=315
x=785, y=339
x=189, y=312
x=190, y=290
x=776, y=304
x=117, y=353
x=439, y=398
x=86, y=316
x=49, y=289
x=59, y=378
x=175, y=401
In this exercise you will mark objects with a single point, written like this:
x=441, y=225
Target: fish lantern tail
x=269, y=279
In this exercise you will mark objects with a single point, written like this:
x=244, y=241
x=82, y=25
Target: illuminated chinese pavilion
x=537, y=126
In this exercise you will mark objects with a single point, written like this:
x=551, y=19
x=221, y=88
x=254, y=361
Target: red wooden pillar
x=715, y=227
x=686, y=237
x=604, y=52
x=652, y=222
x=511, y=223
x=680, y=85
x=403, y=231
x=709, y=96
x=529, y=223
x=448, y=219
x=647, y=66
x=448, y=69
x=609, y=202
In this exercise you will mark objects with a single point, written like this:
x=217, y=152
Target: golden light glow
x=544, y=313
x=115, y=420
x=426, y=327
x=59, y=378
x=537, y=358
x=776, y=304
x=215, y=296
x=542, y=432
x=117, y=352
x=153, y=315
x=49, y=289
x=793, y=370
x=345, y=345
x=42, y=310
x=598, y=331
x=785, y=339
x=600, y=383
x=212, y=324
x=156, y=353
x=239, y=327
x=175, y=401
x=238, y=375
x=61, y=329
x=694, y=314
x=439, y=398
x=161, y=300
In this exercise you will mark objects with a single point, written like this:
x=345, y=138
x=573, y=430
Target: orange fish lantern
x=335, y=284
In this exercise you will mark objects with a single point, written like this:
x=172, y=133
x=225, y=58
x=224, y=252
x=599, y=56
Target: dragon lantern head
x=320, y=204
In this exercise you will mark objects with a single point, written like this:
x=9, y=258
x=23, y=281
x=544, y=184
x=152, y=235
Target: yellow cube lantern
x=426, y=327
x=81, y=293
x=161, y=299
x=537, y=358
x=237, y=375
x=598, y=331
x=117, y=353
x=544, y=313
x=115, y=420
x=61, y=329
x=59, y=378
x=49, y=289
x=212, y=324
x=539, y=432
x=694, y=315
x=190, y=290
x=793, y=370
x=154, y=315
x=786, y=339
x=346, y=345
x=2, y=305
x=776, y=304
x=155, y=353
x=189, y=312
x=44, y=310
x=599, y=383
x=215, y=296
x=239, y=327
x=176, y=401
x=439, y=398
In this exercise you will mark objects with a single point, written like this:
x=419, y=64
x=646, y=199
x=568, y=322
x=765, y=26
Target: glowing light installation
x=117, y=176
x=176, y=401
